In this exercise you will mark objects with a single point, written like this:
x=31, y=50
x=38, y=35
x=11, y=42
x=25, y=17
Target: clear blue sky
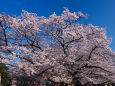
x=101, y=12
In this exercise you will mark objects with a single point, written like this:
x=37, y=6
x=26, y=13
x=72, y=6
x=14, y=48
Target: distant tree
x=5, y=77
x=55, y=50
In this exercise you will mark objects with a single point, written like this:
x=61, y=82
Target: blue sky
x=101, y=12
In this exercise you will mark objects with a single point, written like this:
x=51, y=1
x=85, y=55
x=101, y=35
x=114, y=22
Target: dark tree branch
x=90, y=54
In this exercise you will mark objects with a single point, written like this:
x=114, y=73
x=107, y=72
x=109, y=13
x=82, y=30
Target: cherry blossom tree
x=57, y=49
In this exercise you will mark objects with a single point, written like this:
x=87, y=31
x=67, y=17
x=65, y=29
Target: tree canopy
x=57, y=49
